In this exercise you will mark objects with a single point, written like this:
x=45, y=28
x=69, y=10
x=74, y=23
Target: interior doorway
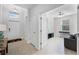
x=58, y=27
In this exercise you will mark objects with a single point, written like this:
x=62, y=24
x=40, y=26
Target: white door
x=43, y=31
x=14, y=30
x=78, y=31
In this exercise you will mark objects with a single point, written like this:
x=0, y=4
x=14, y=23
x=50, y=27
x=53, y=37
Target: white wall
x=3, y=15
x=26, y=26
x=57, y=26
x=73, y=22
x=50, y=20
x=4, y=18
x=24, y=23
x=34, y=17
x=67, y=9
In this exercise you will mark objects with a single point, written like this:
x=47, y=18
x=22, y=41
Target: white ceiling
x=66, y=9
x=27, y=6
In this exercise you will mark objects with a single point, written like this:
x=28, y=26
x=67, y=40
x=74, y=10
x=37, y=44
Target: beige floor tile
x=55, y=46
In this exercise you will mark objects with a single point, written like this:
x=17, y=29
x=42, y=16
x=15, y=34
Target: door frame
x=40, y=31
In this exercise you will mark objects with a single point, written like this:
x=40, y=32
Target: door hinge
x=40, y=30
x=41, y=18
x=40, y=43
x=78, y=7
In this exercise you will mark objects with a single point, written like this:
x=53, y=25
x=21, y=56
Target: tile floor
x=21, y=48
x=55, y=46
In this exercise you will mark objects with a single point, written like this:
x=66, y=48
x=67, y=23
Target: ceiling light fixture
x=60, y=13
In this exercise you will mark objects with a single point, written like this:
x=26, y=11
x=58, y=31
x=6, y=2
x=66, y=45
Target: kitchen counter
x=67, y=32
x=64, y=34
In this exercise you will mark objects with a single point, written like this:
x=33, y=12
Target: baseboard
x=34, y=47
x=14, y=40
